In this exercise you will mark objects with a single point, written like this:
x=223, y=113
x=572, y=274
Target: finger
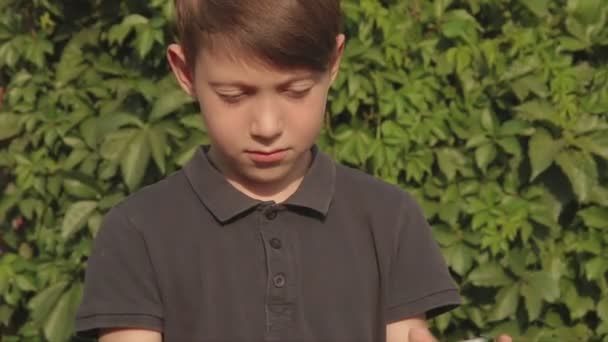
x=504, y=338
x=420, y=335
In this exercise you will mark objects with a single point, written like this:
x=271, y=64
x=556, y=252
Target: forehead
x=238, y=64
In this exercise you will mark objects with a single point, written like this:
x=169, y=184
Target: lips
x=266, y=157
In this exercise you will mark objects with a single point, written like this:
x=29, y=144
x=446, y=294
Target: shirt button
x=271, y=214
x=276, y=243
x=279, y=280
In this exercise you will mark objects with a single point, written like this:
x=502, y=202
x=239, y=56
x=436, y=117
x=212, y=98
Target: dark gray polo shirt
x=198, y=260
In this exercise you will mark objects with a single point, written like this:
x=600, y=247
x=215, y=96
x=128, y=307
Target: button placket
x=279, y=280
x=276, y=243
x=280, y=300
x=271, y=214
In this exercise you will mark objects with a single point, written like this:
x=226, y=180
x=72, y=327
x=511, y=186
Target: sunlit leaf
x=169, y=103
x=543, y=150
x=76, y=216
x=581, y=170
x=9, y=125
x=60, y=322
x=506, y=302
x=135, y=160
x=595, y=217
x=602, y=309
x=489, y=274
x=158, y=144
x=44, y=301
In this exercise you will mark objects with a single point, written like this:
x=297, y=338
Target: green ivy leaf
x=595, y=217
x=577, y=305
x=530, y=84
x=134, y=20
x=136, y=159
x=536, y=110
x=10, y=125
x=80, y=188
x=25, y=283
x=506, y=302
x=477, y=140
x=6, y=312
x=36, y=49
x=169, y=103
x=116, y=143
x=76, y=216
x=539, y=7
x=488, y=121
x=41, y=304
x=9, y=53
x=602, y=309
x=581, y=171
x=158, y=143
x=599, y=195
x=484, y=155
x=596, y=143
x=88, y=130
x=449, y=161
x=118, y=33
x=4, y=279
x=572, y=44
x=461, y=258
x=517, y=261
x=444, y=235
x=489, y=274
x=70, y=65
x=596, y=268
x=533, y=300
x=542, y=150
x=60, y=323
x=144, y=40
x=544, y=283
x=581, y=307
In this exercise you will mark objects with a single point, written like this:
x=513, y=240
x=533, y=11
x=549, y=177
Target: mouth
x=266, y=157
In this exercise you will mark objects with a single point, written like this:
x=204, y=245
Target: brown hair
x=281, y=33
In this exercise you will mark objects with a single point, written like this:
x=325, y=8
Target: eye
x=231, y=98
x=297, y=93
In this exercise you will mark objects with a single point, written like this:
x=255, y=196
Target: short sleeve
x=419, y=280
x=120, y=287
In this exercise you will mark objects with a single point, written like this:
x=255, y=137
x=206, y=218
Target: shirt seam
x=396, y=247
x=118, y=314
x=421, y=298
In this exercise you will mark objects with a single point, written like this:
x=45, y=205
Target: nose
x=267, y=123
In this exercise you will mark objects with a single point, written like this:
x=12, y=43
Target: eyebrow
x=243, y=85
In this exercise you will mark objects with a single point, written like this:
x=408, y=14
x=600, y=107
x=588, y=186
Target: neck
x=266, y=191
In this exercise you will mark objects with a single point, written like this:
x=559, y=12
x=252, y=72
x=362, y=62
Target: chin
x=268, y=174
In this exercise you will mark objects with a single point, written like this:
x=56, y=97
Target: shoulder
x=153, y=202
x=371, y=191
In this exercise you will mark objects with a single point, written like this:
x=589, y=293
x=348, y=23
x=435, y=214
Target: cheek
x=218, y=118
x=311, y=112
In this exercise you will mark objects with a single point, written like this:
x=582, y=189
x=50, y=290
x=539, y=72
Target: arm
x=129, y=335
x=120, y=282
x=415, y=329
x=400, y=331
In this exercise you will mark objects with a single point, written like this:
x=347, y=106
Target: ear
x=335, y=65
x=181, y=70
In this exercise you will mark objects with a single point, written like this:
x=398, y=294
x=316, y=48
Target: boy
x=261, y=236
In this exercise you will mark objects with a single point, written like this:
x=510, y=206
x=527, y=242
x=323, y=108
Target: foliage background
x=492, y=112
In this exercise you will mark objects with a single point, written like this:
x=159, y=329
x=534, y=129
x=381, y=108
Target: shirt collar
x=225, y=202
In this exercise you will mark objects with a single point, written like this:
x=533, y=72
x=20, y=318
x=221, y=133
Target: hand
x=424, y=335
x=420, y=335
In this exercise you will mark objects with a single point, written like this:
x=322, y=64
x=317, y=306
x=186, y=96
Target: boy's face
x=261, y=120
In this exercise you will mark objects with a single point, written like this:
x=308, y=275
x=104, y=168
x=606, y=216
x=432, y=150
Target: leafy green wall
x=492, y=112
